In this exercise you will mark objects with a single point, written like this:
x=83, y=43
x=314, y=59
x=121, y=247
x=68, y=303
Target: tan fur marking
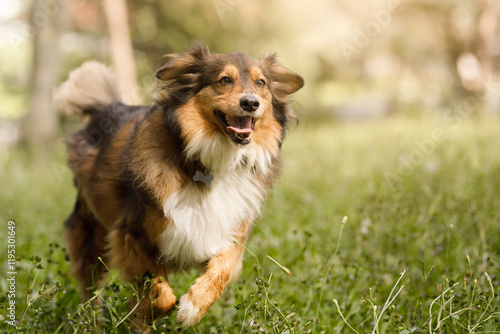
x=152, y=160
x=230, y=71
x=255, y=74
x=267, y=133
x=195, y=119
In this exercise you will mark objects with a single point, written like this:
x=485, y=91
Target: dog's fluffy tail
x=91, y=85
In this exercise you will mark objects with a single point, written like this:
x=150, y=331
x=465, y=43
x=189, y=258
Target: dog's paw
x=188, y=314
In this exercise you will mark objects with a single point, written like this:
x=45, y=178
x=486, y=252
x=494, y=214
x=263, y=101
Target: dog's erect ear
x=284, y=81
x=186, y=65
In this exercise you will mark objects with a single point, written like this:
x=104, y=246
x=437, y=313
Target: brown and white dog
x=173, y=185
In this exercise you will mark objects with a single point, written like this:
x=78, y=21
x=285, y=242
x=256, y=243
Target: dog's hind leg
x=85, y=239
x=138, y=261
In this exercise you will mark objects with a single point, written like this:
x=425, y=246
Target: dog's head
x=233, y=94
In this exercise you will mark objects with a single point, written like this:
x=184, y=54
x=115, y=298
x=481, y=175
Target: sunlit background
x=360, y=59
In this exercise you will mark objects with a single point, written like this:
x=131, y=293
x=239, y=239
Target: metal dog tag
x=204, y=177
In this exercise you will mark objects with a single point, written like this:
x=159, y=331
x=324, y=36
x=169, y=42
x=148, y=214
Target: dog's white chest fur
x=205, y=222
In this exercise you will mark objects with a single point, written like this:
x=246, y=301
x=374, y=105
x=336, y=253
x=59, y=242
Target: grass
x=389, y=226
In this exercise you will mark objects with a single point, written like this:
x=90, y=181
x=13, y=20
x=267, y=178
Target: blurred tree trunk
x=487, y=27
x=40, y=126
x=121, y=50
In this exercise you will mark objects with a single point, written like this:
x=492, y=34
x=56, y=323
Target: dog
x=178, y=183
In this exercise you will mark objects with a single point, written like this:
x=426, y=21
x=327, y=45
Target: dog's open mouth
x=239, y=128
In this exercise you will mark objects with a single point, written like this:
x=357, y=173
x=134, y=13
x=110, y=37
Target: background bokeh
x=360, y=59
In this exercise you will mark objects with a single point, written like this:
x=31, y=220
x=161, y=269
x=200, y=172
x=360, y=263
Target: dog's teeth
x=244, y=137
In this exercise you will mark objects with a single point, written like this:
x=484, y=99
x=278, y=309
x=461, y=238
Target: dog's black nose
x=249, y=103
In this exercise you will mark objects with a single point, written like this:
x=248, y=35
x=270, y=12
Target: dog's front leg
x=221, y=270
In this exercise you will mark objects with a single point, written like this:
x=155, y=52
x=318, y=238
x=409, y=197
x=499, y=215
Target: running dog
x=179, y=183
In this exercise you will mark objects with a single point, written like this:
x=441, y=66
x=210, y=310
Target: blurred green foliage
x=401, y=51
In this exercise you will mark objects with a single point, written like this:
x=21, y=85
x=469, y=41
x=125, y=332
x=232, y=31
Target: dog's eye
x=225, y=81
x=260, y=83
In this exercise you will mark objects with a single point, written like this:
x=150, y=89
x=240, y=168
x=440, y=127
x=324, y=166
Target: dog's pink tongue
x=240, y=125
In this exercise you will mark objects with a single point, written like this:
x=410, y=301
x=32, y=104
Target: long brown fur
x=134, y=169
